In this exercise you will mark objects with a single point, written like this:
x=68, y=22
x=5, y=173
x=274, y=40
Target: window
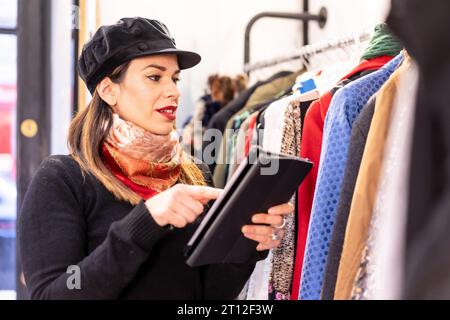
x=8, y=193
x=8, y=14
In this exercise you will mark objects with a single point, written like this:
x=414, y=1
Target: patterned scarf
x=145, y=162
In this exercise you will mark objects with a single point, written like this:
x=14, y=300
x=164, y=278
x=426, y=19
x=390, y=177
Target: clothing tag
x=307, y=86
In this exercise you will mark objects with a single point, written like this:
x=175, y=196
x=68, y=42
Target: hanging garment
x=383, y=42
x=311, y=145
x=236, y=147
x=357, y=143
x=274, y=118
x=280, y=127
x=238, y=122
x=244, y=141
x=345, y=107
x=258, y=288
x=250, y=133
x=239, y=151
x=366, y=186
x=424, y=28
x=380, y=276
x=258, y=123
x=273, y=89
x=284, y=255
x=273, y=138
x=220, y=119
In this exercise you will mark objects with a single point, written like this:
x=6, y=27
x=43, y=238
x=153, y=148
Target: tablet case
x=261, y=181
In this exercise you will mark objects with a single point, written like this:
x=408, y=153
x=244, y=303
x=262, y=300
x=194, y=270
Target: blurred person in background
x=221, y=90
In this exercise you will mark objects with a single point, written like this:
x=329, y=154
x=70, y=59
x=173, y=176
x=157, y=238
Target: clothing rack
x=310, y=50
x=305, y=16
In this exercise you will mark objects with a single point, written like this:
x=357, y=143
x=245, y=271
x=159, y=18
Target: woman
x=111, y=220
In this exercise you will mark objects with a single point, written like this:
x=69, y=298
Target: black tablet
x=261, y=181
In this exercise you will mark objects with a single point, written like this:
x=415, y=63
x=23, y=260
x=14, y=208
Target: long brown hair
x=87, y=132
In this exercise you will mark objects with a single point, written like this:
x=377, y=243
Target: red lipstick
x=169, y=112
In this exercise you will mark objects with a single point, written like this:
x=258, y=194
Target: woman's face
x=148, y=94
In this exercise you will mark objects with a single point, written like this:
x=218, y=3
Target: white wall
x=347, y=17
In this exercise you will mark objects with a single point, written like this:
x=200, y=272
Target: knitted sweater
x=119, y=250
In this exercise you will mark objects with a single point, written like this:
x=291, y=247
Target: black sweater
x=121, y=252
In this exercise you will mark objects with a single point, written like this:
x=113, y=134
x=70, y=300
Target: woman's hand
x=180, y=204
x=268, y=229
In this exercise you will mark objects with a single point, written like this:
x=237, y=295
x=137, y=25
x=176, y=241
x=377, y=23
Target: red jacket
x=311, y=145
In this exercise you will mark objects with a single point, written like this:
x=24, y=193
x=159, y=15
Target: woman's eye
x=176, y=80
x=154, y=78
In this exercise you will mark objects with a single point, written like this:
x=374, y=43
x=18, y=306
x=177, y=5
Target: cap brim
x=186, y=59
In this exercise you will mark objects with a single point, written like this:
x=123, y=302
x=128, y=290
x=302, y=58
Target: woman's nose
x=171, y=91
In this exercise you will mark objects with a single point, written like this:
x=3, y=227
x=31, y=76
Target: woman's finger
x=203, y=193
x=265, y=246
x=184, y=210
x=260, y=238
x=264, y=218
x=265, y=242
x=177, y=220
x=258, y=230
x=266, y=238
x=282, y=209
x=194, y=205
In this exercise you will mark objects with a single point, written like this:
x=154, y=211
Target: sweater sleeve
x=53, y=246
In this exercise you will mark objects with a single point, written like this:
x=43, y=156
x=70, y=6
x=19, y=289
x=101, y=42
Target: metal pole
x=321, y=18
x=305, y=23
x=33, y=101
x=75, y=53
x=8, y=31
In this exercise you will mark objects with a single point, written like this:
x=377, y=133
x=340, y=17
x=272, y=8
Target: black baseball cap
x=129, y=38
